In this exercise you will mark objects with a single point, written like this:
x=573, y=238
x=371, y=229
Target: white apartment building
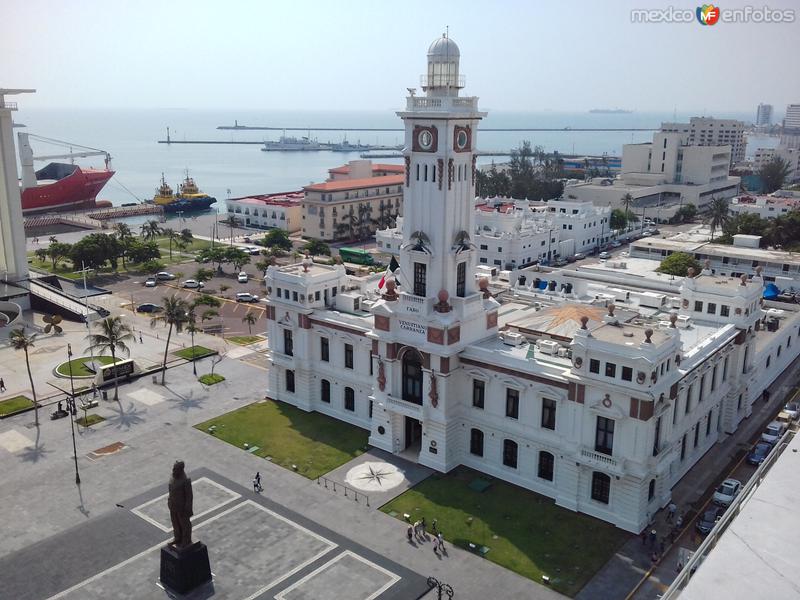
x=766, y=207
x=792, y=118
x=282, y=210
x=788, y=153
x=708, y=131
x=601, y=408
x=764, y=115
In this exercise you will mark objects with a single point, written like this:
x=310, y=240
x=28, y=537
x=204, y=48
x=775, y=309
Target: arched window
x=510, y=453
x=412, y=377
x=546, y=462
x=325, y=391
x=349, y=399
x=476, y=442
x=601, y=487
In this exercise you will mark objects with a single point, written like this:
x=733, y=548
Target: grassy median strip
x=210, y=379
x=310, y=443
x=523, y=531
x=245, y=340
x=78, y=368
x=194, y=352
x=15, y=405
x=89, y=420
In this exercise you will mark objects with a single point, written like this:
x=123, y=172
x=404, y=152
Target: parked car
x=616, y=244
x=759, y=453
x=246, y=297
x=242, y=278
x=151, y=282
x=579, y=256
x=655, y=230
x=773, y=432
x=727, y=491
x=164, y=276
x=604, y=255
x=705, y=522
x=247, y=239
x=646, y=233
x=148, y=307
x=793, y=410
x=253, y=250
x=559, y=262
x=193, y=283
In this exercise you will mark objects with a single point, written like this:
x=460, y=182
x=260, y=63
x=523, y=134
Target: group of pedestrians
x=417, y=531
x=257, y=487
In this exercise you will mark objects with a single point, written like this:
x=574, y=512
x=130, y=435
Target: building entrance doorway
x=413, y=434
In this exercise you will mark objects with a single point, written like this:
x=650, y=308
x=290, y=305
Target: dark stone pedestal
x=185, y=569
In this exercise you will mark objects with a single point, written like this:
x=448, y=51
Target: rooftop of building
x=376, y=167
x=351, y=184
x=763, y=200
x=293, y=198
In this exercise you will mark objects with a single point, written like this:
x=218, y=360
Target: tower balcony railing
x=443, y=103
x=603, y=461
x=7, y=104
x=442, y=80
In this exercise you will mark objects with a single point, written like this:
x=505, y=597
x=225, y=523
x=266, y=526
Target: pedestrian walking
x=440, y=537
x=141, y=341
x=422, y=527
x=654, y=557
x=671, y=510
x=258, y=481
x=410, y=532
x=435, y=545
x=2, y=385
x=679, y=522
x=653, y=537
x=417, y=525
x=434, y=527
x=255, y=485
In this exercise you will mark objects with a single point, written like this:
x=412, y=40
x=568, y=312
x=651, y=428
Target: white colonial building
x=599, y=391
x=282, y=210
x=766, y=207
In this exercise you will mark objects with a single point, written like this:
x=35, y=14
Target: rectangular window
x=290, y=381
x=512, y=403
x=601, y=487
x=548, y=413
x=714, y=378
x=611, y=370
x=478, y=393
x=325, y=391
x=724, y=310
x=701, y=390
x=349, y=399
x=324, y=350
x=696, y=434
x=604, y=436
x=683, y=446
x=546, y=461
x=698, y=306
x=594, y=365
x=461, y=279
x=708, y=423
x=348, y=356
x=510, y=453
x=288, y=344
x=711, y=308
x=627, y=374
x=688, y=406
x=420, y=279
x=476, y=442
x=294, y=296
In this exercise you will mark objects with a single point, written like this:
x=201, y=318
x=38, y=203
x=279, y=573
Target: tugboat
x=188, y=199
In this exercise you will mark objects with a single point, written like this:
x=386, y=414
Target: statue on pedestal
x=180, y=506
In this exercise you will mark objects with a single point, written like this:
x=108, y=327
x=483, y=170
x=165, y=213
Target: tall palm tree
x=124, y=235
x=20, y=341
x=626, y=202
x=192, y=328
x=250, y=319
x=112, y=337
x=175, y=315
x=150, y=230
x=718, y=214
x=172, y=236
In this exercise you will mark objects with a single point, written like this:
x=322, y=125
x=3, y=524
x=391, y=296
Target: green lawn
x=525, y=532
x=78, y=370
x=244, y=340
x=89, y=420
x=210, y=379
x=314, y=442
x=194, y=246
x=15, y=405
x=62, y=270
x=194, y=352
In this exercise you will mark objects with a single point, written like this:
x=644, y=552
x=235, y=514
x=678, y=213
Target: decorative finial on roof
x=648, y=333
x=672, y=319
x=744, y=279
x=690, y=272
x=611, y=307
x=584, y=321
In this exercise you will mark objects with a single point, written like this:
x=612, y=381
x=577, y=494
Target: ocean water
x=131, y=136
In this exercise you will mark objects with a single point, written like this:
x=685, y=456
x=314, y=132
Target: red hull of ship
x=78, y=189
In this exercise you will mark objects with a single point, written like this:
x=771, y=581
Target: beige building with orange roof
x=357, y=199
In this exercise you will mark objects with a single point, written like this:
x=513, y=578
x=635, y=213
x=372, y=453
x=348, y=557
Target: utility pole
x=72, y=412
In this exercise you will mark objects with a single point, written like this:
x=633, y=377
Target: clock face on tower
x=425, y=139
x=462, y=138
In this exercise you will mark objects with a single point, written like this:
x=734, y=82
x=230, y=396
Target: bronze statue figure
x=180, y=506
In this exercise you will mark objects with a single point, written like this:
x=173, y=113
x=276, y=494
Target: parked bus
x=356, y=256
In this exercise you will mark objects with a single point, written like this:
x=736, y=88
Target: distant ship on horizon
x=611, y=111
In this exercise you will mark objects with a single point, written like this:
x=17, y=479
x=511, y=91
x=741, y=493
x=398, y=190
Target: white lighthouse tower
x=435, y=309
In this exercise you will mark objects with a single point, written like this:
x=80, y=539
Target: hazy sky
x=328, y=54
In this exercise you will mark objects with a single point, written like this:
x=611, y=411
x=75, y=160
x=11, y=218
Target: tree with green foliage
x=126, y=239
x=41, y=254
x=202, y=275
x=317, y=248
x=206, y=300
x=215, y=255
x=251, y=320
x=175, y=315
x=139, y=251
x=192, y=328
x=231, y=223
x=277, y=238
x=150, y=230
x=619, y=219
x=773, y=174
x=172, y=236
x=678, y=264
x=685, y=214
x=112, y=337
x=186, y=237
x=20, y=341
x=94, y=250
x=718, y=214
x=237, y=257
x=58, y=250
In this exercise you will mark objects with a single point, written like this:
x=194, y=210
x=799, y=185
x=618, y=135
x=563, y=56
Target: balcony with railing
x=442, y=103
x=8, y=105
x=593, y=458
x=404, y=407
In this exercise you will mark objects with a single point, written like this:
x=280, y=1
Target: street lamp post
x=440, y=587
x=72, y=412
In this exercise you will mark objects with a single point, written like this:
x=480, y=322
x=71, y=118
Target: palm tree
x=20, y=341
x=175, y=314
x=250, y=319
x=113, y=333
x=172, y=236
x=718, y=214
x=192, y=328
x=230, y=222
x=626, y=202
x=124, y=236
x=150, y=230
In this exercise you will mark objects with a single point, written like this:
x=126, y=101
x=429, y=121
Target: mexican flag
x=393, y=268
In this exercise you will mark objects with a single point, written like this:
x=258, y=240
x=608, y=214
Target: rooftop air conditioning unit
x=548, y=346
x=512, y=338
x=683, y=321
x=563, y=351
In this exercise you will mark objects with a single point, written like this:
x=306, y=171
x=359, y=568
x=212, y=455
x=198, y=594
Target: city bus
x=356, y=256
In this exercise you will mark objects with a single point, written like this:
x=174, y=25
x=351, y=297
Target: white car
x=773, y=432
x=164, y=275
x=246, y=297
x=579, y=256
x=604, y=255
x=253, y=250
x=151, y=282
x=242, y=277
x=193, y=283
x=792, y=409
x=616, y=244
x=727, y=491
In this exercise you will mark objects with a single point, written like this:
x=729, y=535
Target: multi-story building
x=792, y=118
x=708, y=131
x=764, y=115
x=357, y=199
x=789, y=154
x=766, y=207
x=282, y=210
x=601, y=406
